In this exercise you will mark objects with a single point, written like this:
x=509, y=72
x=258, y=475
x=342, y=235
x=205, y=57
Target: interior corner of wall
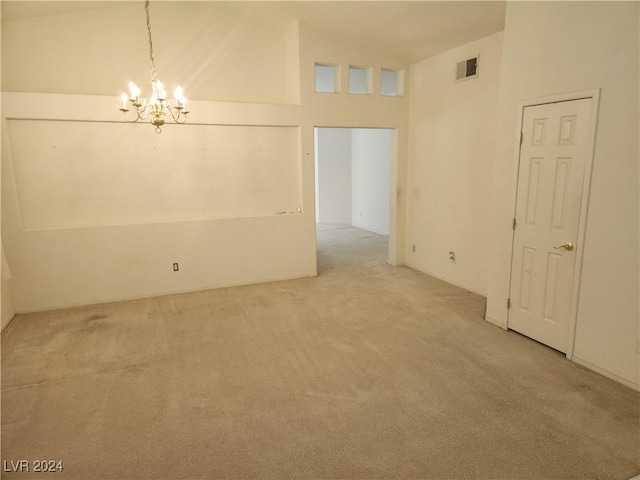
x=6, y=304
x=5, y=271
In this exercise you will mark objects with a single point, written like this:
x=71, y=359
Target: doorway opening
x=353, y=172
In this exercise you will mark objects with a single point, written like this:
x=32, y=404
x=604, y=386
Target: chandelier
x=156, y=109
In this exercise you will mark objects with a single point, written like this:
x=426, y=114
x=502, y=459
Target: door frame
x=594, y=96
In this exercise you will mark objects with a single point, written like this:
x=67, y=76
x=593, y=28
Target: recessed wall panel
x=76, y=174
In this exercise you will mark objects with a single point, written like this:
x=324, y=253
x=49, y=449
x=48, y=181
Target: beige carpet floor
x=365, y=372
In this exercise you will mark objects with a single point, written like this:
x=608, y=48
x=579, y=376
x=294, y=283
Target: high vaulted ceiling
x=410, y=30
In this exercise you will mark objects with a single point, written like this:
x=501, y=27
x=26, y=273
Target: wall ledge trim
x=101, y=108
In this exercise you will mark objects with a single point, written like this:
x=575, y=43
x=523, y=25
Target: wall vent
x=467, y=69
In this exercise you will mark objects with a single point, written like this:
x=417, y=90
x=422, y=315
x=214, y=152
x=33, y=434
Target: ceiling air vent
x=467, y=69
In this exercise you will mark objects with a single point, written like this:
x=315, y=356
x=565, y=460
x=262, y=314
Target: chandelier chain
x=153, y=67
x=157, y=109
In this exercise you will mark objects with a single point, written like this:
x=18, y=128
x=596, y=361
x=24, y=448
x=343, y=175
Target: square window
x=391, y=82
x=359, y=80
x=326, y=78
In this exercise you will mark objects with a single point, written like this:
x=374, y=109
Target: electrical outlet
x=176, y=267
x=413, y=248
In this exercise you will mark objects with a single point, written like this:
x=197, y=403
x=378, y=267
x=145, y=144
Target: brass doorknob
x=567, y=246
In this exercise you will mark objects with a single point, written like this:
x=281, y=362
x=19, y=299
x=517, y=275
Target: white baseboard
x=448, y=280
x=162, y=293
x=607, y=374
x=497, y=323
x=6, y=321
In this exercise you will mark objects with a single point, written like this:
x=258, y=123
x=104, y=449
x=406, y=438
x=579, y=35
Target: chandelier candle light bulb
x=158, y=108
x=135, y=92
x=179, y=97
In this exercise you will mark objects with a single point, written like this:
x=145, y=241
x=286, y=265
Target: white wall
x=451, y=155
x=116, y=254
x=333, y=180
x=552, y=48
x=371, y=164
x=357, y=111
x=94, y=210
x=219, y=51
x=8, y=312
x=6, y=301
x=87, y=174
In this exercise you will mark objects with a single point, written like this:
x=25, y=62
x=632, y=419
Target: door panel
x=550, y=182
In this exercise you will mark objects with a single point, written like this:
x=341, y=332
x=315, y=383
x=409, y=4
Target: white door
x=550, y=183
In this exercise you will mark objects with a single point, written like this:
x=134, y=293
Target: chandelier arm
x=128, y=120
x=176, y=117
x=142, y=111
